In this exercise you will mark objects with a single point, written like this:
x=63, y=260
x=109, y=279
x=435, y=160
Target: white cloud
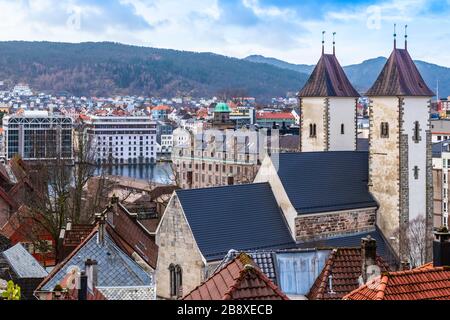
x=203, y=25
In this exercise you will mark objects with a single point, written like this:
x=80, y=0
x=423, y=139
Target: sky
x=290, y=30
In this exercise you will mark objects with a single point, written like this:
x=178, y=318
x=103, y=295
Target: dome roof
x=222, y=107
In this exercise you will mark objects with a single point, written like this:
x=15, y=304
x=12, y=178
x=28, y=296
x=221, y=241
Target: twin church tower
x=400, y=176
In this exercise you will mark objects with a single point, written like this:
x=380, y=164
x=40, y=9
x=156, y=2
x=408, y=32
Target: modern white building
x=122, y=140
x=38, y=135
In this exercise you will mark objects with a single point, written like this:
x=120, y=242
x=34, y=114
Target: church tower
x=400, y=175
x=328, y=105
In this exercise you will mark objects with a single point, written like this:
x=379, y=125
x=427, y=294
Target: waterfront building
x=38, y=135
x=122, y=139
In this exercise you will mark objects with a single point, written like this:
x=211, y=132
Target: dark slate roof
x=325, y=181
x=439, y=147
x=328, y=80
x=240, y=217
x=400, y=77
x=362, y=144
x=23, y=263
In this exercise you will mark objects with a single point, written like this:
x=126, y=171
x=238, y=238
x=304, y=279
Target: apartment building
x=122, y=139
x=441, y=167
x=38, y=135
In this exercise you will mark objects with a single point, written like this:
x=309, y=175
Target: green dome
x=222, y=107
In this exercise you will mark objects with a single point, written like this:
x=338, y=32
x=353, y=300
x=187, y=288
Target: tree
x=414, y=238
x=12, y=292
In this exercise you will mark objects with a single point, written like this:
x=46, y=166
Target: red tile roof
x=425, y=283
x=275, y=115
x=344, y=265
x=240, y=279
x=161, y=108
x=77, y=234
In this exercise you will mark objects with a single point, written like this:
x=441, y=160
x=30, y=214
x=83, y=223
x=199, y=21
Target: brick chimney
x=368, y=258
x=100, y=219
x=441, y=248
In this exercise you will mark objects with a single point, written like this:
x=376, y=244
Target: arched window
x=311, y=131
x=314, y=129
x=176, y=280
x=342, y=129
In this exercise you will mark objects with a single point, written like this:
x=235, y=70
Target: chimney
x=441, y=248
x=405, y=265
x=368, y=257
x=82, y=291
x=91, y=270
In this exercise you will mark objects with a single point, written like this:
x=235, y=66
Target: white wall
x=342, y=111
x=416, y=109
x=313, y=113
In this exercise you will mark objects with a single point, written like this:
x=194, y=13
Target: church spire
x=323, y=42
x=334, y=43
x=406, y=37
x=395, y=36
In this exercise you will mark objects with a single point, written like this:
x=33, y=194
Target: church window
x=416, y=136
x=314, y=131
x=176, y=280
x=384, y=130
x=416, y=172
x=311, y=130
x=342, y=129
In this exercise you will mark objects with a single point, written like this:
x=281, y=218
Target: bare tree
x=413, y=239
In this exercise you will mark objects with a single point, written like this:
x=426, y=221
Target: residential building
x=160, y=113
x=216, y=158
x=38, y=135
x=240, y=279
x=346, y=270
x=440, y=130
x=122, y=139
x=275, y=119
x=119, y=254
x=328, y=107
x=441, y=167
x=400, y=157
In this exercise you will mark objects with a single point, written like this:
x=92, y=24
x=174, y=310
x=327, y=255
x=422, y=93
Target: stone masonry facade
x=324, y=225
x=177, y=246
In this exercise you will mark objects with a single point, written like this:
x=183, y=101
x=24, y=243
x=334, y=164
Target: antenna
x=395, y=36
x=323, y=42
x=406, y=37
x=334, y=43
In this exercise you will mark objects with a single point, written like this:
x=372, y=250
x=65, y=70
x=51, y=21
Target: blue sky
x=287, y=29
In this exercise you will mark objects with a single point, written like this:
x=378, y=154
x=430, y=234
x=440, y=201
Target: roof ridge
x=221, y=187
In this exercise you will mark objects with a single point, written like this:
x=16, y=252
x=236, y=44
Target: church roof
x=400, y=77
x=328, y=80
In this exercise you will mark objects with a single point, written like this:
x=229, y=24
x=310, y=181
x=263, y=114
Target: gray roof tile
x=23, y=263
x=241, y=217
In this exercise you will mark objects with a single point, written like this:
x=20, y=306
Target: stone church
x=329, y=195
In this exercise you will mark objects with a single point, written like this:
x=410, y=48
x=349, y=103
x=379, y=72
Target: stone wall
x=177, y=246
x=324, y=225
